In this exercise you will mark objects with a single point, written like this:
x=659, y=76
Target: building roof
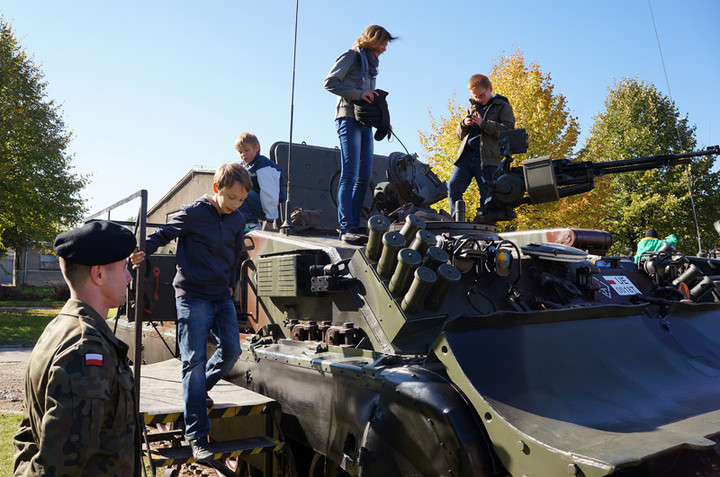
x=192, y=174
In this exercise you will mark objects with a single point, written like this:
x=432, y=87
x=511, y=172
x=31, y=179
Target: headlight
x=503, y=262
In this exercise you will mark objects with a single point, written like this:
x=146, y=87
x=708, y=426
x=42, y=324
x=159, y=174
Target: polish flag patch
x=93, y=359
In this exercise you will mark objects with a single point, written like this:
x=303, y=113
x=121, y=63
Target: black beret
x=95, y=243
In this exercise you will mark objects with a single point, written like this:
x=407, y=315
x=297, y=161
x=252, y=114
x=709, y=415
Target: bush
x=11, y=293
x=60, y=292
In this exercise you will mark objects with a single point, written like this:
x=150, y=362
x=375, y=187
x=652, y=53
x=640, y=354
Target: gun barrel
x=651, y=162
x=542, y=179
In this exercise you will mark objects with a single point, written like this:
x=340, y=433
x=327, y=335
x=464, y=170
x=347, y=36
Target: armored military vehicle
x=442, y=348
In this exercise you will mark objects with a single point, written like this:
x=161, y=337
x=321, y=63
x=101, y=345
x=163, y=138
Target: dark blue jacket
x=259, y=163
x=267, y=192
x=209, y=249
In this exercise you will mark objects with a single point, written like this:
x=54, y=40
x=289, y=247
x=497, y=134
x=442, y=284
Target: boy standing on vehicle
x=209, y=252
x=262, y=201
x=479, y=153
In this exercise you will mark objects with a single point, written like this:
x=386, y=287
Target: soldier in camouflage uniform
x=79, y=414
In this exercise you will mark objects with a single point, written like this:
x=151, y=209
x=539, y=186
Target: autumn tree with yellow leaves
x=638, y=120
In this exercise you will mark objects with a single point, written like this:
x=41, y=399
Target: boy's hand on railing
x=136, y=258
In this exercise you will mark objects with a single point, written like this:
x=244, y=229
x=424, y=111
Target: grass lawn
x=8, y=426
x=24, y=326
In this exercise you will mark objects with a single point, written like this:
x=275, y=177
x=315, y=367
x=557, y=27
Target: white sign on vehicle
x=621, y=284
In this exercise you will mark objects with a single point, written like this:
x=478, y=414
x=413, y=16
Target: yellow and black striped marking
x=221, y=450
x=214, y=413
x=167, y=418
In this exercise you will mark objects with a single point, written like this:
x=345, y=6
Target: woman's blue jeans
x=356, y=151
x=196, y=318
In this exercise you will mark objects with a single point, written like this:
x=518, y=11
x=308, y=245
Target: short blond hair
x=228, y=174
x=479, y=80
x=246, y=138
x=373, y=37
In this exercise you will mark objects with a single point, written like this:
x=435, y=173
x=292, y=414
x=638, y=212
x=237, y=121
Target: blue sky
x=152, y=89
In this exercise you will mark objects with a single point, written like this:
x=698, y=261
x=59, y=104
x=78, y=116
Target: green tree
x=40, y=194
x=639, y=121
x=538, y=109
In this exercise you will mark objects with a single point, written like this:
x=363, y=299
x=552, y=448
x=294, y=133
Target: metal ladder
x=245, y=436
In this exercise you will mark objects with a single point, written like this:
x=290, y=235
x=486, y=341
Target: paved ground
x=13, y=360
x=14, y=353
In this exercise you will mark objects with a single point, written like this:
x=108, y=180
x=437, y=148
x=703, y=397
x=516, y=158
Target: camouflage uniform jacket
x=79, y=415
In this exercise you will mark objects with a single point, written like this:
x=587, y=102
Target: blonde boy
x=209, y=252
x=479, y=154
x=267, y=193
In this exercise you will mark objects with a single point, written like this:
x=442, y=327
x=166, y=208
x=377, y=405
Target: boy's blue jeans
x=196, y=318
x=462, y=174
x=356, y=152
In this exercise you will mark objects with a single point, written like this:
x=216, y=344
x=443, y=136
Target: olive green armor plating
x=442, y=348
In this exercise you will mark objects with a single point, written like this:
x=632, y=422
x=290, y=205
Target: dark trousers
x=463, y=173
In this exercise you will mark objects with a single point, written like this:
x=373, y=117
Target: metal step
x=167, y=456
x=174, y=435
x=161, y=398
x=243, y=423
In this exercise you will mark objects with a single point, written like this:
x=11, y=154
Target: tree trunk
x=18, y=266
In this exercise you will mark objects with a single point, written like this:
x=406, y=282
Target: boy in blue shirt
x=209, y=253
x=262, y=202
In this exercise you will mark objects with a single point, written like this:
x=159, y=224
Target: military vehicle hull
x=602, y=387
x=605, y=387
x=368, y=414
x=442, y=348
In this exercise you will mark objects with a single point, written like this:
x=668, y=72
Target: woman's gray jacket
x=344, y=80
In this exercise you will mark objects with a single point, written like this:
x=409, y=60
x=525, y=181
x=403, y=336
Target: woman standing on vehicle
x=352, y=78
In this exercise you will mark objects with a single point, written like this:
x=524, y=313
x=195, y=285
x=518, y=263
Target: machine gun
x=542, y=179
